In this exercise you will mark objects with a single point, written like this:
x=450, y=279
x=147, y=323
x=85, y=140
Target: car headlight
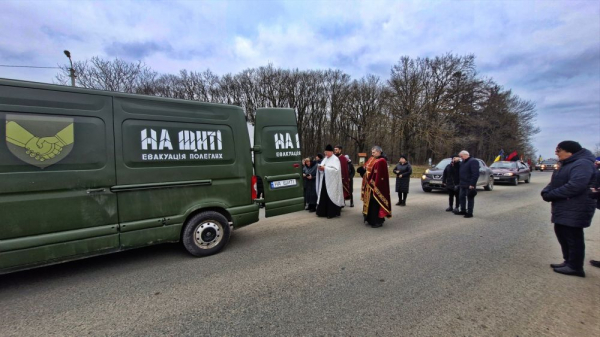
x=424, y=177
x=509, y=174
x=426, y=171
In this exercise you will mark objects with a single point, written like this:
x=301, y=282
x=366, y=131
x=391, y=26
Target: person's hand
x=545, y=197
x=471, y=187
x=321, y=168
x=309, y=177
x=399, y=176
x=44, y=148
x=304, y=174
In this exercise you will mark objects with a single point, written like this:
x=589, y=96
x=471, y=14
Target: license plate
x=496, y=178
x=436, y=182
x=283, y=183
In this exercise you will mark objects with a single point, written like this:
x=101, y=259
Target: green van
x=88, y=172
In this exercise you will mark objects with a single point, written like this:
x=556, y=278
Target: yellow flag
x=497, y=159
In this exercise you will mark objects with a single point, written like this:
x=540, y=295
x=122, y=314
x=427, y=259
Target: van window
x=53, y=143
x=161, y=144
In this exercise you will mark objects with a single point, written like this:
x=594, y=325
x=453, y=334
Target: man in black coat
x=469, y=174
x=595, y=194
x=572, y=208
x=451, y=179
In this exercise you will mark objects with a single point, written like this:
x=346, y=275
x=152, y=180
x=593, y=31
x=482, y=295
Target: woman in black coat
x=403, y=171
x=309, y=173
x=572, y=208
x=451, y=179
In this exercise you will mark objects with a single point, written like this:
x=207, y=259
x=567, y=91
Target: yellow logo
x=39, y=140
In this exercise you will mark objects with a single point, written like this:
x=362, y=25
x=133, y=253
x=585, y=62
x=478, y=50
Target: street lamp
x=71, y=70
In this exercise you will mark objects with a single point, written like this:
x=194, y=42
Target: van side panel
x=175, y=158
x=56, y=169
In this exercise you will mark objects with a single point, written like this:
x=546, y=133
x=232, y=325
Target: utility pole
x=71, y=70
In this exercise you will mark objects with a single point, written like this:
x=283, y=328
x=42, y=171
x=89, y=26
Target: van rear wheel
x=206, y=233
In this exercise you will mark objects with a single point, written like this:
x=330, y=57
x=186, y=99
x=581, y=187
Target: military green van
x=89, y=172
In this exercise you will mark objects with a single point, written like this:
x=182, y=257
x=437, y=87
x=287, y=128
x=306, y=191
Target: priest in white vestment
x=329, y=186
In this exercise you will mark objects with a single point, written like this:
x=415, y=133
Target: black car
x=432, y=179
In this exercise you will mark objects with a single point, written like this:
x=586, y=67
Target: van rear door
x=277, y=160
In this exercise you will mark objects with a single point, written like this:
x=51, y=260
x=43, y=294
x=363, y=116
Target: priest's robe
x=375, y=192
x=345, y=177
x=329, y=188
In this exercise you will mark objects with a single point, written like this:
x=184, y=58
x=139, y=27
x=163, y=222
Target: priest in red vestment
x=375, y=192
x=337, y=150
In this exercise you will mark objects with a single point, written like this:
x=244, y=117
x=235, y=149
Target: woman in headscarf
x=375, y=192
x=309, y=173
x=403, y=172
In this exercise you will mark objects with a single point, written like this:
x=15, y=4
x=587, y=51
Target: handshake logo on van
x=187, y=141
x=39, y=140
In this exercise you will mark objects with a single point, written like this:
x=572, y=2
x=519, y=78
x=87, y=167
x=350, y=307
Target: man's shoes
x=558, y=265
x=403, y=203
x=460, y=213
x=399, y=203
x=449, y=209
x=566, y=270
x=468, y=215
x=376, y=225
x=455, y=210
x=352, y=205
x=595, y=263
x=312, y=210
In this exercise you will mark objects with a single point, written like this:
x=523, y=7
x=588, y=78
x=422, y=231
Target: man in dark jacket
x=451, y=179
x=595, y=194
x=572, y=208
x=469, y=174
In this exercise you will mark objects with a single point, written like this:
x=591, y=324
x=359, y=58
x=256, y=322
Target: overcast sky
x=545, y=51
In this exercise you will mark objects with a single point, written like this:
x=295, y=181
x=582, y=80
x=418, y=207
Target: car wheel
x=515, y=181
x=426, y=189
x=206, y=233
x=528, y=179
x=490, y=185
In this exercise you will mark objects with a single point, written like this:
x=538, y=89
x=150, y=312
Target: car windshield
x=442, y=164
x=503, y=165
x=548, y=162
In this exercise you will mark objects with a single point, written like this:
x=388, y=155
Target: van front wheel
x=206, y=233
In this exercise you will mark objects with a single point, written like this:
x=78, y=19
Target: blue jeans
x=464, y=197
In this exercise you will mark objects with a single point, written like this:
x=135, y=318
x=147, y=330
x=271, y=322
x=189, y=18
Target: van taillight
x=253, y=188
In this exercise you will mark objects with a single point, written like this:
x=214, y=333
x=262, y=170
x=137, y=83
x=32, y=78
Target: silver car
x=432, y=179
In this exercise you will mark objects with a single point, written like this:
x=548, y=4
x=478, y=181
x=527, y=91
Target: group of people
x=574, y=191
x=460, y=179
x=328, y=183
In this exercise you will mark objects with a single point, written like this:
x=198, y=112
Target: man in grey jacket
x=572, y=208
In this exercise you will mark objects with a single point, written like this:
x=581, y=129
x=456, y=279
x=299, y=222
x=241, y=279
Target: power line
x=10, y=66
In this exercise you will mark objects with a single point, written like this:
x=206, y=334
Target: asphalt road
x=426, y=272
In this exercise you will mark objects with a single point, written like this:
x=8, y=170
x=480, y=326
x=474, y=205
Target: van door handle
x=95, y=190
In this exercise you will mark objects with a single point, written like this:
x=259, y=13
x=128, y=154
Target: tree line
x=427, y=108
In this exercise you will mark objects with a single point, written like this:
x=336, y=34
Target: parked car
x=548, y=165
x=511, y=172
x=432, y=179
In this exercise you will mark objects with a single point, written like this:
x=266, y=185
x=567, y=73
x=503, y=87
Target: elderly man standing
x=329, y=186
x=469, y=174
x=572, y=208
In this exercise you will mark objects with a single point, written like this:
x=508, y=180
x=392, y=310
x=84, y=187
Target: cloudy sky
x=545, y=51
